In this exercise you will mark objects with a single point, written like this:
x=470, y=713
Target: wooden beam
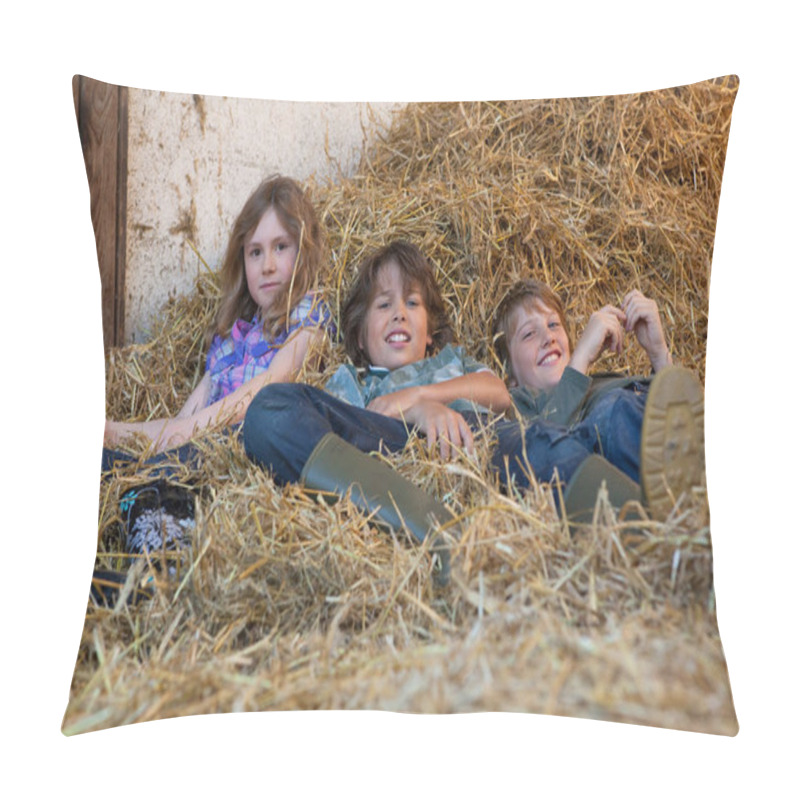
x=102, y=113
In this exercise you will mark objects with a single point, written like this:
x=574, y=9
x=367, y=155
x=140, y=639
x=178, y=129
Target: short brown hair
x=297, y=215
x=418, y=272
x=524, y=293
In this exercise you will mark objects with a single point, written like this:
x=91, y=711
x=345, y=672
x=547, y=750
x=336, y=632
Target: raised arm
x=642, y=317
x=604, y=331
x=175, y=431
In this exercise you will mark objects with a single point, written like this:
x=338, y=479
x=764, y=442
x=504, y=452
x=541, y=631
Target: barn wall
x=192, y=162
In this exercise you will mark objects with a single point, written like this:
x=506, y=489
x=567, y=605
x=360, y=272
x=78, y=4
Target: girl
x=268, y=319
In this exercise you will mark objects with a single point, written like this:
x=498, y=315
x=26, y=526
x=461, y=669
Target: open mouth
x=549, y=359
x=398, y=337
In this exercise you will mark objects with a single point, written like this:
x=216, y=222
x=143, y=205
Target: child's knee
x=269, y=412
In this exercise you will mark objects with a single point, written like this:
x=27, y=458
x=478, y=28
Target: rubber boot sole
x=673, y=447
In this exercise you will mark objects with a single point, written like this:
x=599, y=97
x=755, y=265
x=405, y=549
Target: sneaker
x=673, y=448
x=159, y=518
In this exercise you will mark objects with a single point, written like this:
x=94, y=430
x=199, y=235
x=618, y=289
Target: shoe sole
x=673, y=447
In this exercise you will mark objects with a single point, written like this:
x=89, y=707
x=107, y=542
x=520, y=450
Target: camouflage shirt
x=360, y=387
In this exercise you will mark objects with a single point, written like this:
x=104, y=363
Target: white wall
x=192, y=162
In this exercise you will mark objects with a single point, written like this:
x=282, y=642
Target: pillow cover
x=271, y=600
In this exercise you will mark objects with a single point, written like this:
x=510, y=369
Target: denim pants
x=540, y=447
x=612, y=428
x=165, y=464
x=286, y=421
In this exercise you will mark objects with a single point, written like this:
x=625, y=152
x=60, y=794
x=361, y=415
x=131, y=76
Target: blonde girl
x=268, y=319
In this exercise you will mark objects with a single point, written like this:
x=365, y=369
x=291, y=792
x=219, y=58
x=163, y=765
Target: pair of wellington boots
x=335, y=468
x=672, y=458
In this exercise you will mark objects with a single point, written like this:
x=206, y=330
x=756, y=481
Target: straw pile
x=287, y=603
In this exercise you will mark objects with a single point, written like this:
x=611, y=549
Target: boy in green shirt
x=632, y=430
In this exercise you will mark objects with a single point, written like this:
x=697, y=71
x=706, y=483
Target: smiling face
x=270, y=253
x=538, y=346
x=395, y=330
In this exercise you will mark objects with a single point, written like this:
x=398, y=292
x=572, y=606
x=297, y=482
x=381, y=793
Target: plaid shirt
x=360, y=389
x=245, y=353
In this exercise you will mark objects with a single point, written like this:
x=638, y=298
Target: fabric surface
x=274, y=439
x=247, y=352
x=359, y=387
x=282, y=601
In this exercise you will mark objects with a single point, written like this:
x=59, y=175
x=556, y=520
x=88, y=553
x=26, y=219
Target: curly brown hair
x=417, y=272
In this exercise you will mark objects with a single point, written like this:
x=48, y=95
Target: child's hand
x=443, y=425
x=642, y=317
x=603, y=332
x=436, y=420
x=112, y=433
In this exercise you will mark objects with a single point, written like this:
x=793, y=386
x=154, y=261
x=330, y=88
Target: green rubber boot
x=673, y=447
x=336, y=467
x=581, y=492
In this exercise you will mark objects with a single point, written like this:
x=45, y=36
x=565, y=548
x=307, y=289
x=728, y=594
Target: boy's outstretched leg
x=336, y=467
x=286, y=421
x=613, y=427
x=538, y=447
x=673, y=446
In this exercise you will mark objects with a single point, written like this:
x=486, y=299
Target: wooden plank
x=102, y=112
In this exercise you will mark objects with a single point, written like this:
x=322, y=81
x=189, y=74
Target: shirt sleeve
x=311, y=312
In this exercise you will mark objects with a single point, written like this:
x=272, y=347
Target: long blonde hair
x=296, y=214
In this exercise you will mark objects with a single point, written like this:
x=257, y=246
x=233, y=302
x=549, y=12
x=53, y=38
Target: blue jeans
x=540, y=447
x=286, y=421
x=162, y=465
x=612, y=428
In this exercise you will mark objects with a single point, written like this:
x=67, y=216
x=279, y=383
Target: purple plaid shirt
x=245, y=353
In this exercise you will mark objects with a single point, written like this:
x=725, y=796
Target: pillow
x=263, y=598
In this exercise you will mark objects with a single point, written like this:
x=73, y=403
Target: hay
x=288, y=603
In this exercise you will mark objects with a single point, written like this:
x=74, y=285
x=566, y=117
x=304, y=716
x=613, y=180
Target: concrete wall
x=192, y=162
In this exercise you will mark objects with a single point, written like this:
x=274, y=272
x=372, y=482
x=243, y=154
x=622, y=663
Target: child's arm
x=426, y=407
x=483, y=388
x=642, y=317
x=604, y=331
x=173, y=432
x=197, y=399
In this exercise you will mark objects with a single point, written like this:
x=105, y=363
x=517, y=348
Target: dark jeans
x=612, y=428
x=285, y=422
x=539, y=447
x=162, y=465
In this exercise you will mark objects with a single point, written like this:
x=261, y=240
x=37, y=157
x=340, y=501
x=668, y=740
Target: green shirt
x=571, y=399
